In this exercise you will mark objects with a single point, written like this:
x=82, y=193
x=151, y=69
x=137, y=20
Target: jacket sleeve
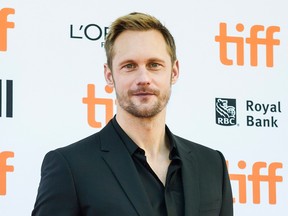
x=56, y=193
x=227, y=199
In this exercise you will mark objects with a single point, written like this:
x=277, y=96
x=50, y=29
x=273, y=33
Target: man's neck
x=147, y=133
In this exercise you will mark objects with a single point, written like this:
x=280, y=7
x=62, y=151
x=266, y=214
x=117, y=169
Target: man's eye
x=129, y=66
x=154, y=65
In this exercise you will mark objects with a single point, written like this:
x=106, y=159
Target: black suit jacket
x=97, y=177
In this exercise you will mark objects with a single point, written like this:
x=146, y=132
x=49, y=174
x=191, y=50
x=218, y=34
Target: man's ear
x=108, y=76
x=175, y=72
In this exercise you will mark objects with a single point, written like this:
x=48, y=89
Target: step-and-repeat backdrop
x=231, y=96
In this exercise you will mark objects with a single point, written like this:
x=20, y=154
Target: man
x=135, y=165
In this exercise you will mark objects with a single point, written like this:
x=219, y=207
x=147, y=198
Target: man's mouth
x=143, y=92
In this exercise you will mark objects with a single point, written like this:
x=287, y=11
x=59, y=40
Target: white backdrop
x=54, y=50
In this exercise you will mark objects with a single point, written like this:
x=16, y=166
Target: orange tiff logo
x=4, y=168
x=4, y=25
x=93, y=104
x=253, y=41
x=257, y=177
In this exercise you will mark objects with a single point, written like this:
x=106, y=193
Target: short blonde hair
x=137, y=22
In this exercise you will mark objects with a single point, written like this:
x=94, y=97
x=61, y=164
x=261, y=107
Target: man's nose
x=143, y=77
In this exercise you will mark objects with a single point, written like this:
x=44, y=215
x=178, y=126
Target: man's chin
x=144, y=113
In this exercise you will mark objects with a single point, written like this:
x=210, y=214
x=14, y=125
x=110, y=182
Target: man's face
x=142, y=73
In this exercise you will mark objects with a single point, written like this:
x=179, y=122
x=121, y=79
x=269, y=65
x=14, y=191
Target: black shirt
x=165, y=200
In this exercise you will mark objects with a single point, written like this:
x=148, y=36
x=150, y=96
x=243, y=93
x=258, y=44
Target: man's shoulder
x=83, y=143
x=89, y=144
x=78, y=150
x=190, y=145
x=199, y=151
x=208, y=159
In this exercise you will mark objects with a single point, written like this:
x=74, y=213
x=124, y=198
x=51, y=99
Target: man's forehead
x=142, y=41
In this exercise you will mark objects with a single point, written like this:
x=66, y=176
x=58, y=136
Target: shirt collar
x=129, y=143
x=132, y=147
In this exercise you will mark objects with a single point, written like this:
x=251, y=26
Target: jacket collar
x=117, y=157
x=190, y=177
x=125, y=171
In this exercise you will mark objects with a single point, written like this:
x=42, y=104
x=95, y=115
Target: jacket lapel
x=190, y=178
x=121, y=164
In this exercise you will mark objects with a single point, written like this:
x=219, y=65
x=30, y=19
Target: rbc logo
x=225, y=111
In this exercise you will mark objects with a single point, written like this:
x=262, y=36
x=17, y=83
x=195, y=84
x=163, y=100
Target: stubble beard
x=142, y=110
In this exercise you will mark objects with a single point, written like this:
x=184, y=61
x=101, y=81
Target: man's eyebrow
x=155, y=60
x=126, y=61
